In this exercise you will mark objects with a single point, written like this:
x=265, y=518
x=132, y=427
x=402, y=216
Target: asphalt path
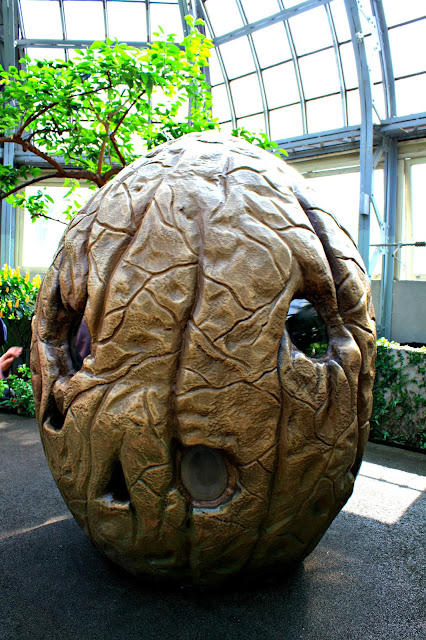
x=364, y=581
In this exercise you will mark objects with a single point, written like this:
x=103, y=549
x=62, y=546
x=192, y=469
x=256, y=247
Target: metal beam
x=386, y=284
x=284, y=14
x=366, y=139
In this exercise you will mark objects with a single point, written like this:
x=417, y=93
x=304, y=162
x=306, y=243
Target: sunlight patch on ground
x=17, y=532
x=390, y=493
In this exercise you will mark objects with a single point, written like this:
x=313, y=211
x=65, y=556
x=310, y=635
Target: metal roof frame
x=365, y=137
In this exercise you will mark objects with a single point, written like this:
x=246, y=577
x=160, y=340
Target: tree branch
x=27, y=184
x=115, y=145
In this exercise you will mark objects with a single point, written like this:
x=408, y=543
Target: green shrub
x=20, y=400
x=399, y=395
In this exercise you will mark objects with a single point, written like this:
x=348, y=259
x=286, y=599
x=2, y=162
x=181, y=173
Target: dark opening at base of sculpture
x=197, y=440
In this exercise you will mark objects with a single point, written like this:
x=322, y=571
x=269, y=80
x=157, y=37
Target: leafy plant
x=260, y=140
x=19, y=393
x=97, y=110
x=17, y=294
x=399, y=395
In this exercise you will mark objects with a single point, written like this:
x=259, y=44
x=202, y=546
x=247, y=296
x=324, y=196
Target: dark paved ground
x=365, y=580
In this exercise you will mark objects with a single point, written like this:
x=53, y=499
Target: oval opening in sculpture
x=306, y=328
x=204, y=473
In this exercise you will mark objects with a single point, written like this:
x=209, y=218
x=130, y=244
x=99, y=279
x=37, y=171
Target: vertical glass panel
x=39, y=53
x=41, y=19
x=246, y=96
x=340, y=19
x=237, y=57
x=221, y=108
x=340, y=192
x=319, y=74
x=407, y=45
x=216, y=76
x=410, y=95
x=84, y=20
x=256, y=10
x=224, y=15
x=418, y=199
x=324, y=114
x=354, y=107
x=349, y=65
x=311, y=31
x=286, y=122
x=397, y=12
x=167, y=17
x=281, y=85
x=127, y=21
x=271, y=45
x=254, y=124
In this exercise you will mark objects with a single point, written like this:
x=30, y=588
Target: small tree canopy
x=94, y=110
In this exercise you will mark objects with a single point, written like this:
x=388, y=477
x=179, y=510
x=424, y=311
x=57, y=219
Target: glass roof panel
x=340, y=19
x=47, y=27
x=311, y=31
x=271, y=45
x=224, y=16
x=246, y=95
x=286, y=122
x=408, y=48
x=354, y=107
x=410, y=94
x=237, y=57
x=84, y=20
x=221, y=108
x=319, y=74
x=216, y=76
x=397, y=11
x=349, y=65
x=127, y=20
x=167, y=17
x=281, y=85
x=253, y=123
x=324, y=114
x=40, y=53
x=256, y=10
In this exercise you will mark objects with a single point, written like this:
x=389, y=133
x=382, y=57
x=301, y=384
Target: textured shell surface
x=183, y=268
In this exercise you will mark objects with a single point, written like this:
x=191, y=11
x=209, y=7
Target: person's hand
x=7, y=358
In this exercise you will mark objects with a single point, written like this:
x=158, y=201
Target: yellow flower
x=27, y=299
x=9, y=304
x=17, y=272
x=7, y=289
x=5, y=267
x=37, y=281
x=27, y=277
x=1, y=313
x=17, y=302
x=10, y=272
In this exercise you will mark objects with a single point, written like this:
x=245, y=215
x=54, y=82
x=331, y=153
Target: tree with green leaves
x=90, y=116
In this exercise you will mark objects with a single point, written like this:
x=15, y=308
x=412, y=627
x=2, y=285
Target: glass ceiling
x=286, y=77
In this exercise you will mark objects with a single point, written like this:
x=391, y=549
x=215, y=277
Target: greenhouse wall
x=408, y=310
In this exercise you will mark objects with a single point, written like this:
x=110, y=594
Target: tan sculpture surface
x=196, y=441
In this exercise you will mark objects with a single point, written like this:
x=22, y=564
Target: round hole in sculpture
x=306, y=328
x=204, y=473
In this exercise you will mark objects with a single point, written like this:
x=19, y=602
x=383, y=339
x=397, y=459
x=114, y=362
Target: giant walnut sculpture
x=196, y=441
